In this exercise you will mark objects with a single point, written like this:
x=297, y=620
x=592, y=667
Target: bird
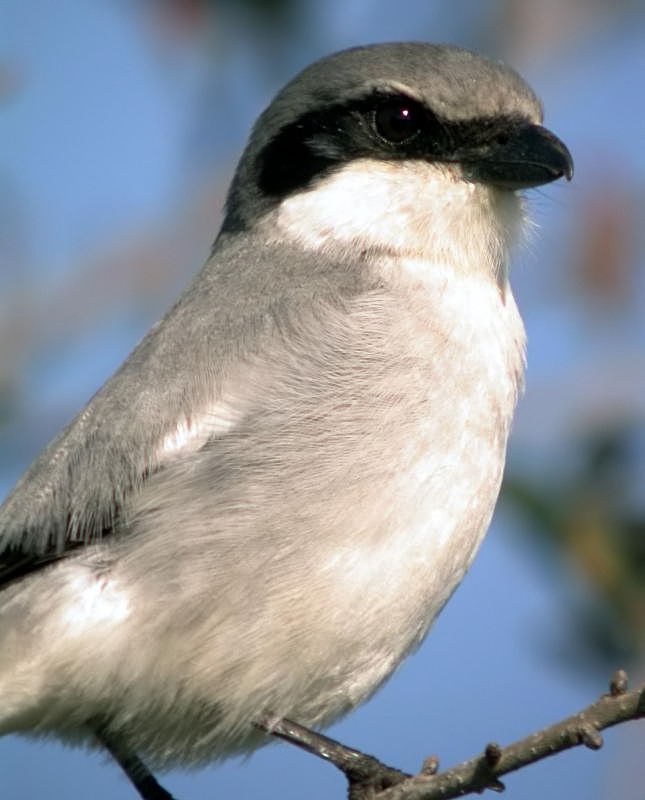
x=261, y=513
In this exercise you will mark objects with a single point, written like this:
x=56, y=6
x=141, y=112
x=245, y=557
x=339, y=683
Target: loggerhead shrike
x=264, y=509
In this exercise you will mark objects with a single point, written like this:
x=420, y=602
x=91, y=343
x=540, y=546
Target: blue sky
x=96, y=147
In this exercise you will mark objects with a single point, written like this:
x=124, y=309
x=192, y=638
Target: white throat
x=412, y=209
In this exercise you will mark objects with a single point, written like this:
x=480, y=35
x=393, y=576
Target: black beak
x=520, y=157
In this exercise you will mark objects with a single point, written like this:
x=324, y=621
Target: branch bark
x=369, y=779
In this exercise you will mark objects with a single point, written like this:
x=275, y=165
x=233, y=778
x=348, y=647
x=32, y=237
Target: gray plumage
x=266, y=506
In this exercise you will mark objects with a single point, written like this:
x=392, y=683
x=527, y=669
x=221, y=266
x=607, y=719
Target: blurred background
x=120, y=125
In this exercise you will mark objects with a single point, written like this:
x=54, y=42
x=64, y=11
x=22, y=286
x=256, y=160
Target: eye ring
x=397, y=120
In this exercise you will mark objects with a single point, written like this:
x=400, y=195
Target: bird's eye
x=398, y=121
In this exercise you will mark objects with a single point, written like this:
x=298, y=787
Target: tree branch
x=369, y=779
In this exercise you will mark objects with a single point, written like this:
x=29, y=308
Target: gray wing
x=73, y=492
x=176, y=392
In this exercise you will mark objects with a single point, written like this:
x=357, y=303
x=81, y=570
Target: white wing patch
x=215, y=418
x=192, y=433
x=97, y=600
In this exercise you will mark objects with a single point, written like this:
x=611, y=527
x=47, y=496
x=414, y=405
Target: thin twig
x=359, y=768
x=369, y=778
x=483, y=772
